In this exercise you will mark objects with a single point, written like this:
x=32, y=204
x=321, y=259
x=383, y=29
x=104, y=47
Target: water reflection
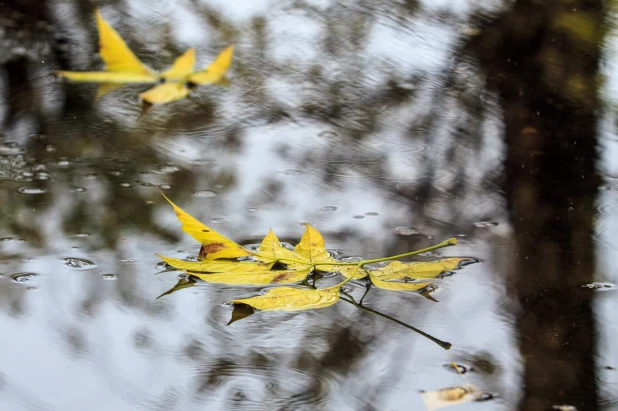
x=367, y=120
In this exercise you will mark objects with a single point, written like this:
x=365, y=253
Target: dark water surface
x=493, y=122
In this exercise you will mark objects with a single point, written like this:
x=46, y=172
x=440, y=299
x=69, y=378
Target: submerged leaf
x=240, y=311
x=271, y=277
x=209, y=266
x=425, y=293
x=292, y=299
x=181, y=284
x=446, y=397
x=214, y=245
x=216, y=71
x=397, y=285
x=345, y=270
x=397, y=270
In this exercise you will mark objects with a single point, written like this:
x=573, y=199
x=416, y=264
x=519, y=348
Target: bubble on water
x=42, y=175
x=329, y=208
x=27, y=173
x=204, y=161
x=166, y=169
x=24, y=277
x=292, y=172
x=162, y=266
x=31, y=190
x=407, y=231
x=79, y=263
x=50, y=148
x=63, y=162
x=372, y=213
x=81, y=235
x=125, y=185
x=108, y=276
x=328, y=134
x=90, y=176
x=564, y=407
x=204, y=194
x=145, y=184
x=128, y=260
x=80, y=189
x=253, y=210
x=6, y=239
x=486, y=224
x=346, y=289
x=599, y=286
x=358, y=217
x=217, y=220
x=165, y=186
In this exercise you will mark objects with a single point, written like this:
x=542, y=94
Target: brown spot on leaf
x=280, y=277
x=210, y=249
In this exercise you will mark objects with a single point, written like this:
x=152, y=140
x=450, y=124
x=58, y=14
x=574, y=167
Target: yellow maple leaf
x=214, y=245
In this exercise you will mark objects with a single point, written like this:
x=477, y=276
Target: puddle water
x=389, y=126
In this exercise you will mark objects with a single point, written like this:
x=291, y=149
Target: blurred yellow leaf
x=446, y=397
x=122, y=66
x=165, y=93
x=292, y=299
x=214, y=245
x=115, y=53
x=397, y=270
x=182, y=67
x=214, y=73
x=210, y=266
x=107, y=77
x=271, y=277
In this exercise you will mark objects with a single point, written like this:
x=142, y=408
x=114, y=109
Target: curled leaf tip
x=452, y=241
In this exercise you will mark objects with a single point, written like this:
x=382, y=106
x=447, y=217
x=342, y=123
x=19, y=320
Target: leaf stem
x=444, y=344
x=367, y=288
x=447, y=243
